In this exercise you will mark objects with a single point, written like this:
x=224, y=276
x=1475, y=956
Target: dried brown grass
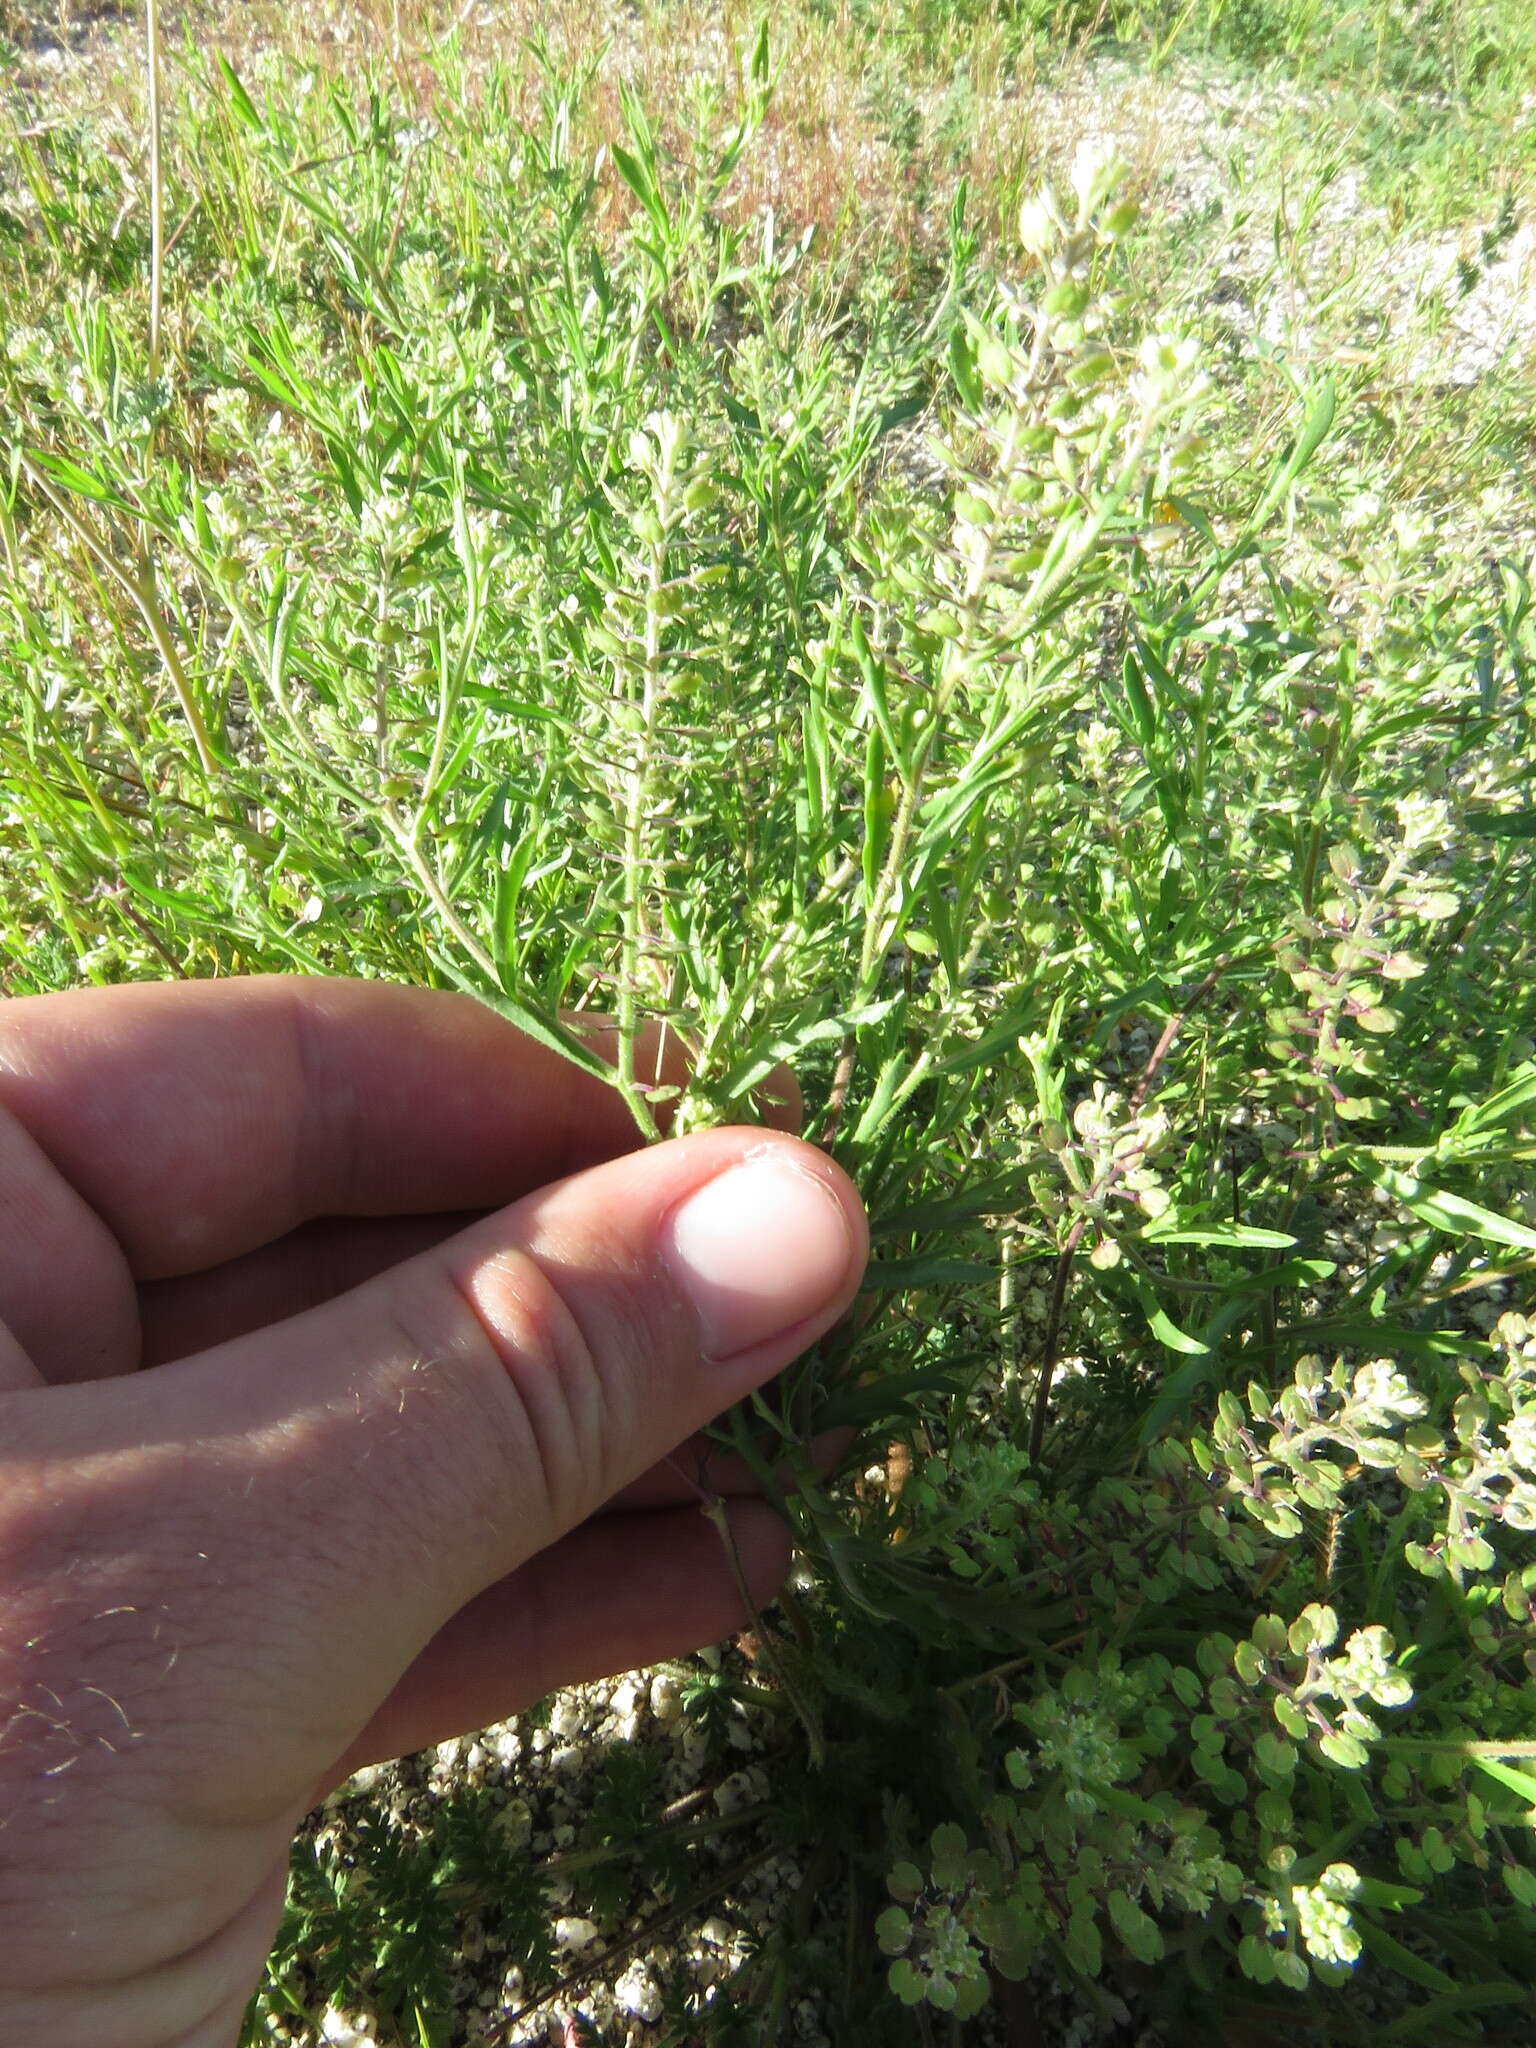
x=868, y=135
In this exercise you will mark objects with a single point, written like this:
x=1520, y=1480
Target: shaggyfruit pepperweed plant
x=523, y=574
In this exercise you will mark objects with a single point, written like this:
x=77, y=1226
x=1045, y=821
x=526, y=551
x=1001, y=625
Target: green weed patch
x=1047, y=726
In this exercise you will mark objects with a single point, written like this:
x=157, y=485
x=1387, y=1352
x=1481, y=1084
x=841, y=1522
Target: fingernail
x=757, y=1251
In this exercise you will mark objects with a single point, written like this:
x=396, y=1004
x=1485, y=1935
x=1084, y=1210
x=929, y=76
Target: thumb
x=484, y=1398
x=348, y=1479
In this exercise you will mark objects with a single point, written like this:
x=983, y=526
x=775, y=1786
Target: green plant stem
x=713, y=1511
x=637, y=797
x=405, y=838
x=156, y=185
x=381, y=667
x=1408, y=1744
x=8, y=537
x=451, y=687
x=139, y=587
x=1051, y=1347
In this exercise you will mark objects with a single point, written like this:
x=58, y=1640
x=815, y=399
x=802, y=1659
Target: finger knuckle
x=546, y=1364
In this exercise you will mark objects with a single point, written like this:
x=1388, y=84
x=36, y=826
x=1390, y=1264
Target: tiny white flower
x=1327, y=1926
x=1361, y=509
x=1423, y=821
x=1380, y=1396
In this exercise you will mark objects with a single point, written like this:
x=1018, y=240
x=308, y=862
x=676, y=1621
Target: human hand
x=301, y=1468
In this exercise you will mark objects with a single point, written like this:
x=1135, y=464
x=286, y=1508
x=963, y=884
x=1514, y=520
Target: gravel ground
x=534, y=1771
x=1452, y=307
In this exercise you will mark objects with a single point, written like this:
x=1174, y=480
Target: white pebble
x=666, y=1697
x=637, y=1992
x=737, y=1791
x=566, y=1719
x=335, y=2027
x=573, y=1933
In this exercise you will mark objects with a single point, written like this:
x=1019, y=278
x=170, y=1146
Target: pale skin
x=352, y=1360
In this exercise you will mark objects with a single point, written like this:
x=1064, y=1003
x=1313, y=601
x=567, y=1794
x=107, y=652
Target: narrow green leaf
x=84, y=483
x=1317, y=422
x=927, y=1272
x=1521, y=1783
x=812, y=1029
x=1430, y=2019
x=1169, y=1333
x=534, y=1022
x=877, y=810
x=1386, y=1949
x=1376, y=1891
x=1453, y=1214
x=239, y=98
x=1143, y=717
x=1237, y=1235
x=875, y=692
x=1506, y=825
x=962, y=367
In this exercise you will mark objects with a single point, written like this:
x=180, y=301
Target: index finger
x=199, y=1120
